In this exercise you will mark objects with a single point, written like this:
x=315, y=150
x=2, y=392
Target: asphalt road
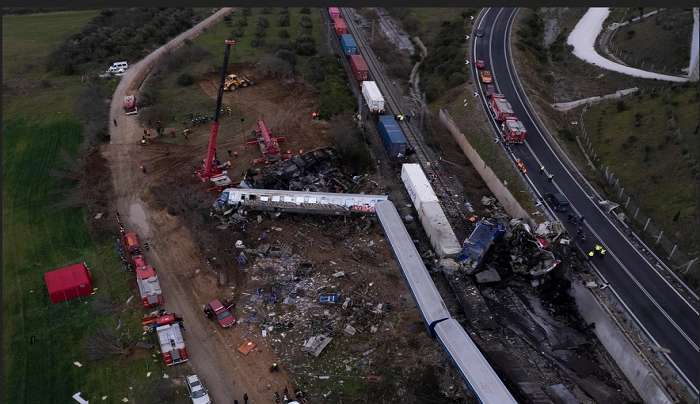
x=665, y=316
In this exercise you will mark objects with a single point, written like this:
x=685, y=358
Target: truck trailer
x=341, y=27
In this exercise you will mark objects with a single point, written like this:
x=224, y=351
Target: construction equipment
x=268, y=144
x=130, y=106
x=234, y=81
x=211, y=167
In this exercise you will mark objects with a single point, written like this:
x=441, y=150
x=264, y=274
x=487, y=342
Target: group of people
x=597, y=249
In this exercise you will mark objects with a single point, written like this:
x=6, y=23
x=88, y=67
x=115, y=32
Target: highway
x=664, y=315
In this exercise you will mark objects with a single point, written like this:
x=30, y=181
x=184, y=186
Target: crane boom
x=208, y=170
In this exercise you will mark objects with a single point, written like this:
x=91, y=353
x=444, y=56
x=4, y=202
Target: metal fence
x=665, y=248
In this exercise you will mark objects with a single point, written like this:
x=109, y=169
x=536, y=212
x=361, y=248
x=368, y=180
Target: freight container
x=417, y=185
x=359, y=69
x=501, y=107
x=392, y=136
x=347, y=42
x=341, y=27
x=477, y=245
x=438, y=230
x=373, y=97
x=334, y=12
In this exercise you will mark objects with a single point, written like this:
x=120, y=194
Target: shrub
x=283, y=33
x=305, y=10
x=287, y=56
x=257, y=42
x=263, y=22
x=260, y=31
x=185, y=80
x=305, y=22
x=305, y=46
x=283, y=20
x=266, y=10
x=243, y=22
x=621, y=106
x=247, y=11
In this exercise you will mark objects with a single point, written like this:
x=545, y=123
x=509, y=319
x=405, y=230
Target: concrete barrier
x=500, y=191
x=650, y=388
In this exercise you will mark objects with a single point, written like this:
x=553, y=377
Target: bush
x=266, y=10
x=260, y=31
x=185, y=80
x=284, y=10
x=283, y=33
x=247, y=11
x=287, y=56
x=306, y=22
x=621, y=106
x=257, y=42
x=237, y=32
x=283, y=20
x=263, y=22
x=305, y=10
x=305, y=46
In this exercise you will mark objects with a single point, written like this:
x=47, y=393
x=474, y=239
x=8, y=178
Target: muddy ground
x=353, y=368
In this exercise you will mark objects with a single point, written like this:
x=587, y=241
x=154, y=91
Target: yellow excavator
x=234, y=81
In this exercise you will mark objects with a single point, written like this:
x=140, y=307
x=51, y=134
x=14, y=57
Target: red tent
x=68, y=282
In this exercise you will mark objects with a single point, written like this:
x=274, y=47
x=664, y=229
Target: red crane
x=209, y=169
x=269, y=145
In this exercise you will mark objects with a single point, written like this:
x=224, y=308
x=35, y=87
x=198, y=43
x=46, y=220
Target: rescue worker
x=245, y=398
x=591, y=254
x=143, y=168
x=598, y=247
x=115, y=122
x=550, y=177
x=274, y=367
x=602, y=252
x=541, y=169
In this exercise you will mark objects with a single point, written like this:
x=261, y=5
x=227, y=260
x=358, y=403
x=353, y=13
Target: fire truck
x=513, y=131
x=168, y=328
x=501, y=107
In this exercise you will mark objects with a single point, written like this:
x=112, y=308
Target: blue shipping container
x=392, y=135
x=347, y=42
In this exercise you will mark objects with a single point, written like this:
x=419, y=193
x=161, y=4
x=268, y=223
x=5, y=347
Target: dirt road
x=213, y=353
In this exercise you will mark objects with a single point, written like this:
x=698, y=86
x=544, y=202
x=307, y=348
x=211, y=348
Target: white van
x=118, y=68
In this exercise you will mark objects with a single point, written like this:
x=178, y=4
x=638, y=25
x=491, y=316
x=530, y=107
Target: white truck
x=373, y=97
x=116, y=69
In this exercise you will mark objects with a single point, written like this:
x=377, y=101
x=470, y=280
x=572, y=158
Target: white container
x=417, y=185
x=373, y=97
x=438, y=230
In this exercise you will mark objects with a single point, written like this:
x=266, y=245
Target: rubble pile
x=315, y=171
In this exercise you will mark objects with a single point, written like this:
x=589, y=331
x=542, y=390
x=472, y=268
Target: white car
x=198, y=393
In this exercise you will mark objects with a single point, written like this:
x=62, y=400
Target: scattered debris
x=350, y=330
x=489, y=276
x=79, y=399
x=247, y=347
x=78, y=364
x=316, y=344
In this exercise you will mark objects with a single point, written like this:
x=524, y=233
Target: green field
x=656, y=160
x=660, y=42
x=40, y=340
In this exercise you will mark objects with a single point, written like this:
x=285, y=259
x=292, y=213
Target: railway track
x=424, y=156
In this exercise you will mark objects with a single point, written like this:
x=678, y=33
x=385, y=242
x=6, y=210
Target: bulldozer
x=234, y=81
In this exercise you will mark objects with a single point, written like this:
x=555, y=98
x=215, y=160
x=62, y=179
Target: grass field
x=658, y=167
x=659, y=43
x=40, y=340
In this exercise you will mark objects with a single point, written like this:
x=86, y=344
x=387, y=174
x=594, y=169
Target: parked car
x=329, y=298
x=480, y=64
x=486, y=77
x=198, y=393
x=223, y=316
x=558, y=201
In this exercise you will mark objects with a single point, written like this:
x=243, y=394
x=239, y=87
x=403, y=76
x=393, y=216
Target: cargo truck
x=373, y=97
